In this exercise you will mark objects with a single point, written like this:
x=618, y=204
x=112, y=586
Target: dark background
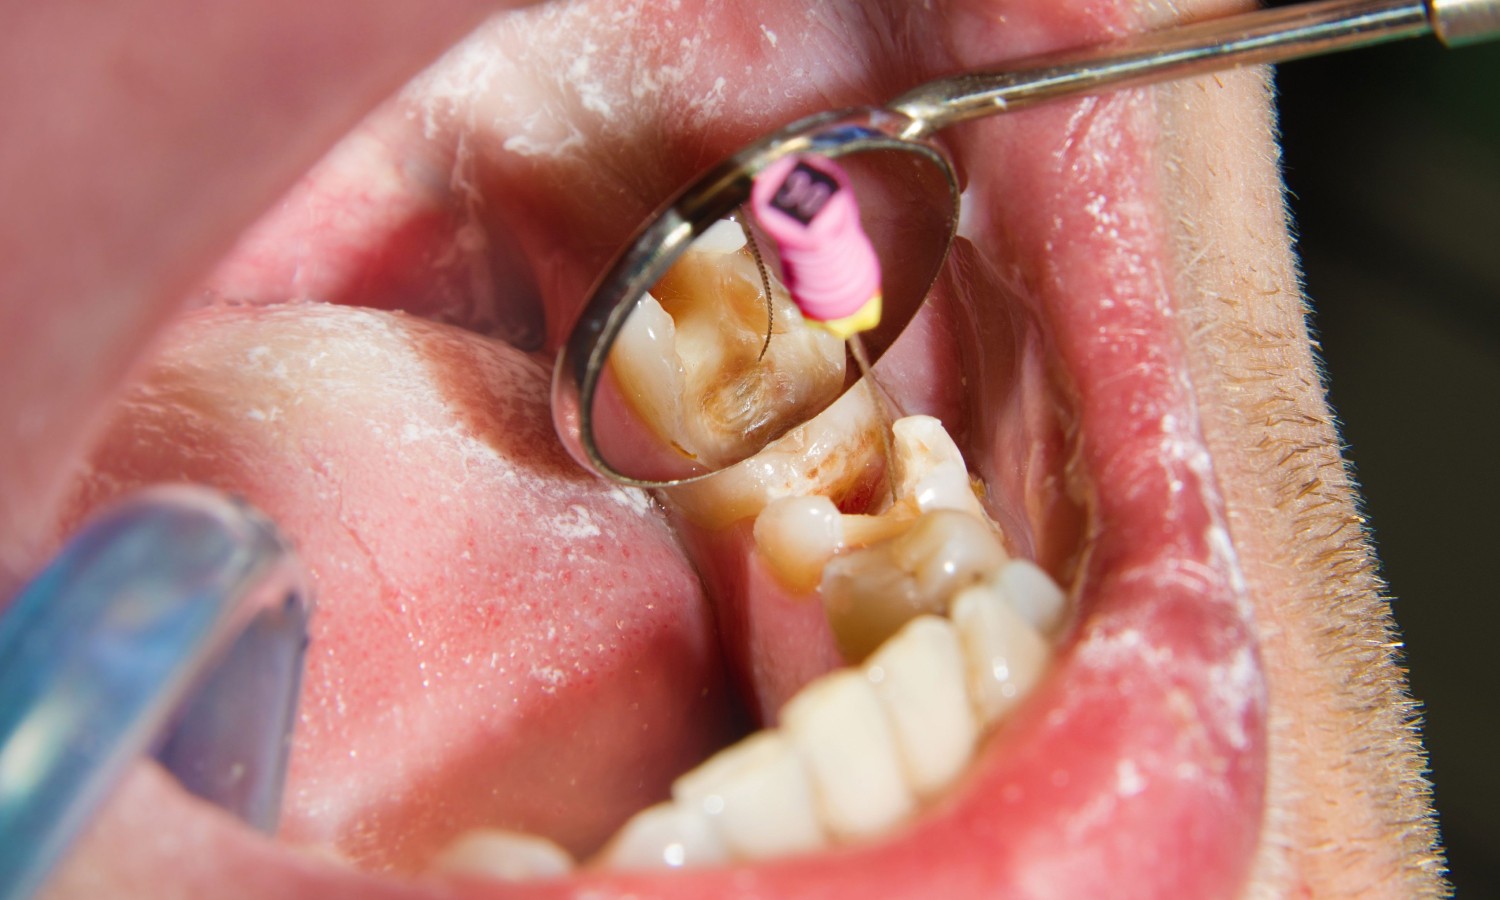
x=1392, y=155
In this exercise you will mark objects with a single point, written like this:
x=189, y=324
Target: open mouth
x=507, y=644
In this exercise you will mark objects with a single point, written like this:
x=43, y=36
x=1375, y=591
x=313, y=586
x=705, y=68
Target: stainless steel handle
x=1263, y=36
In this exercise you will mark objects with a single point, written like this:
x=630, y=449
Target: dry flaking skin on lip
x=508, y=643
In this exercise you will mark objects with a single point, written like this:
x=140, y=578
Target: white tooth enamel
x=1003, y=654
x=840, y=730
x=797, y=536
x=723, y=236
x=930, y=469
x=919, y=677
x=503, y=855
x=1033, y=594
x=646, y=353
x=758, y=795
x=664, y=836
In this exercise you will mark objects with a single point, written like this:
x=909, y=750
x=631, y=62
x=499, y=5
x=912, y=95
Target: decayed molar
x=799, y=533
x=690, y=357
x=860, y=750
x=878, y=572
x=837, y=455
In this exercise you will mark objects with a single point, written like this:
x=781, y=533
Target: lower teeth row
x=952, y=634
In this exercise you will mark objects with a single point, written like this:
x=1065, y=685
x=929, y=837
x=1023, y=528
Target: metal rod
x=1264, y=36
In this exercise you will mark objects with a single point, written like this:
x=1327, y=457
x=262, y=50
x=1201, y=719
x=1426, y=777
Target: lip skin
x=1160, y=375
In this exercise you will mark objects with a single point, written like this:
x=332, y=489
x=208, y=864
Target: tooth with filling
x=840, y=730
x=919, y=677
x=1004, y=655
x=758, y=795
x=870, y=593
x=503, y=856
x=664, y=836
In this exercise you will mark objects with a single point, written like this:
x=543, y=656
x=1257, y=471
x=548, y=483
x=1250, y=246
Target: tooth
x=919, y=677
x=723, y=236
x=664, y=836
x=797, y=536
x=1003, y=654
x=930, y=469
x=694, y=368
x=1033, y=594
x=503, y=855
x=840, y=730
x=870, y=593
x=835, y=455
x=645, y=353
x=758, y=795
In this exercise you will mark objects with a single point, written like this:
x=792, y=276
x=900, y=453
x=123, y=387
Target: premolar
x=1004, y=655
x=919, y=677
x=841, y=732
x=758, y=794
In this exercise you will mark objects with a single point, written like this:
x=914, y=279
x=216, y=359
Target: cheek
x=471, y=584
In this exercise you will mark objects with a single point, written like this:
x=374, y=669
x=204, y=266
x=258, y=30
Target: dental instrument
x=175, y=623
x=806, y=205
x=892, y=158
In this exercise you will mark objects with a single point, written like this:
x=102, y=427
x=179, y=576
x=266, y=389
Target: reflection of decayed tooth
x=735, y=399
x=840, y=731
x=919, y=677
x=1003, y=654
x=664, y=836
x=1033, y=594
x=929, y=468
x=503, y=855
x=870, y=593
x=797, y=536
x=689, y=357
x=758, y=795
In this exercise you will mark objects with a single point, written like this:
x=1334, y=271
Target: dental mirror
x=680, y=365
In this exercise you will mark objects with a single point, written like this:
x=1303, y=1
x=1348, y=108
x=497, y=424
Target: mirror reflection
x=716, y=361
